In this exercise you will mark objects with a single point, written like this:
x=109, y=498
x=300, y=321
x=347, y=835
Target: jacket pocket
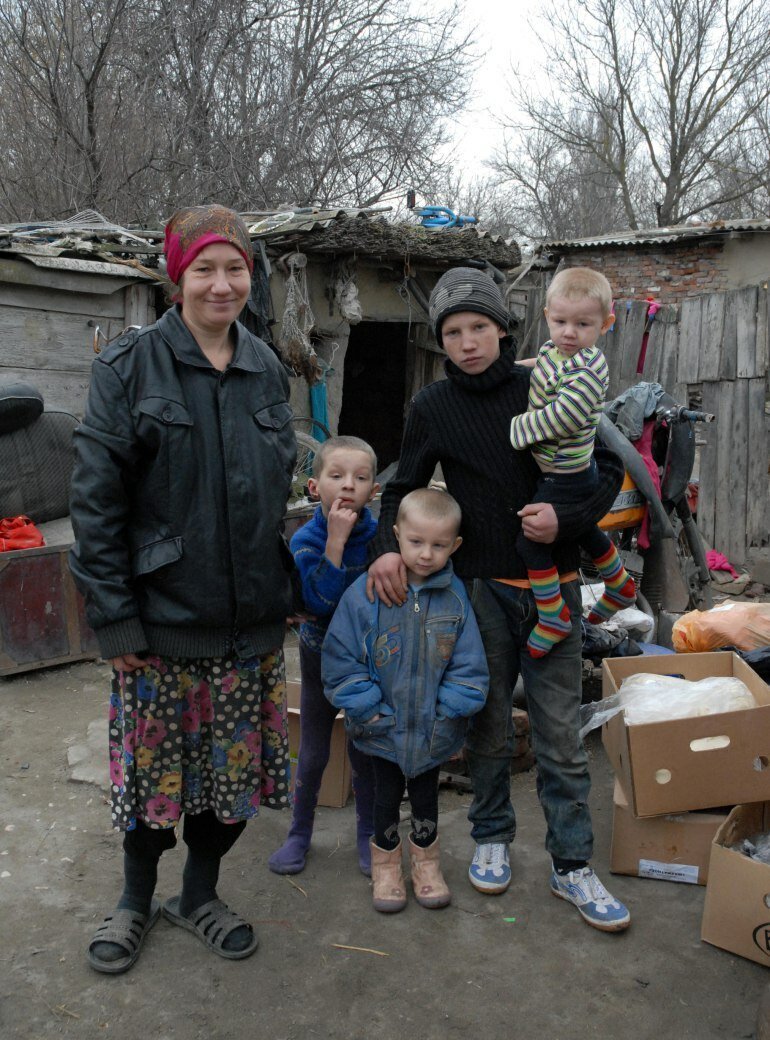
x=170, y=413
x=272, y=423
x=447, y=737
x=165, y=428
x=441, y=635
x=375, y=734
x=153, y=556
x=274, y=417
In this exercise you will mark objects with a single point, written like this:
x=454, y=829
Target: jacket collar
x=185, y=348
x=440, y=580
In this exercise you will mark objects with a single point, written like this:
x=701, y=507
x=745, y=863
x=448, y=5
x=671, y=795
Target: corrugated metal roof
x=94, y=240
x=657, y=236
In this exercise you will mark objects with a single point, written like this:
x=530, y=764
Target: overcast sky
x=504, y=35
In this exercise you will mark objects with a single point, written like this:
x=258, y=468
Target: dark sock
x=199, y=886
x=564, y=866
x=141, y=875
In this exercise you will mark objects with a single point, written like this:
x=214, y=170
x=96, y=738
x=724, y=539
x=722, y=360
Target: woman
x=183, y=468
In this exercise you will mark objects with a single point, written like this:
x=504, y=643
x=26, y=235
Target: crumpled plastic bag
x=745, y=625
x=636, y=623
x=755, y=847
x=646, y=697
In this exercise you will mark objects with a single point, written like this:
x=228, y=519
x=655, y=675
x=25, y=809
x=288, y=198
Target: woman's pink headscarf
x=191, y=230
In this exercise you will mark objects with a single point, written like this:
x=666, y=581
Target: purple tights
x=316, y=723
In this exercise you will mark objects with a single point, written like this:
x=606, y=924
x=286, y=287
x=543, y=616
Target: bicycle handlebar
x=681, y=414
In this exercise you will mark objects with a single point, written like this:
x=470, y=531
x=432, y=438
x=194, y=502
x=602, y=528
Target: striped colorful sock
x=554, y=622
x=619, y=588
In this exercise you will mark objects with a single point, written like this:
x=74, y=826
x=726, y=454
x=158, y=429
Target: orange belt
x=523, y=583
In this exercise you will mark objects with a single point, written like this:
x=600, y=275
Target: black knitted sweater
x=463, y=422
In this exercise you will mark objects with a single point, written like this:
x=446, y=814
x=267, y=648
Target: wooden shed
x=58, y=291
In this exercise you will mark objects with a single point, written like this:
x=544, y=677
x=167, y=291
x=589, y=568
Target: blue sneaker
x=584, y=890
x=490, y=871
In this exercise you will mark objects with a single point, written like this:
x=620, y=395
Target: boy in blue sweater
x=409, y=676
x=330, y=553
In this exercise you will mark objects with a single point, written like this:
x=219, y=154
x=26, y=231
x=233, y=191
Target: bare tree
x=134, y=107
x=661, y=100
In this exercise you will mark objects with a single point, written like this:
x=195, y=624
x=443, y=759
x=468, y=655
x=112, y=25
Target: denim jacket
x=420, y=667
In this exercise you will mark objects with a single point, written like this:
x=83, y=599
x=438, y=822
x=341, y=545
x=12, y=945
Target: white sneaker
x=584, y=890
x=490, y=870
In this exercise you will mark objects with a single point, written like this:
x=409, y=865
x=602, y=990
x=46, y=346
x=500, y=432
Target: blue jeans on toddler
x=552, y=684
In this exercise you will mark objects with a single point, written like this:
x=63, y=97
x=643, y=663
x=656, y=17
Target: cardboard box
x=336, y=784
x=736, y=914
x=675, y=847
x=695, y=763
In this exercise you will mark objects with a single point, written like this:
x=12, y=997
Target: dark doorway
x=374, y=387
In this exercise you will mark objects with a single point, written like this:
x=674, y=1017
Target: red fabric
x=644, y=447
x=191, y=230
x=717, y=561
x=18, y=532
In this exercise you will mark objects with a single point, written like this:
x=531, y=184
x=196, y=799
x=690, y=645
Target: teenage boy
x=463, y=423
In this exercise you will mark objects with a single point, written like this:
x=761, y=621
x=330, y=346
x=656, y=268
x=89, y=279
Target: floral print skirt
x=190, y=735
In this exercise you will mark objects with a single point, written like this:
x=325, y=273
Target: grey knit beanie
x=466, y=289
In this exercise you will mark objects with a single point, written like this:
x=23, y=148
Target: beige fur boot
x=430, y=889
x=388, y=888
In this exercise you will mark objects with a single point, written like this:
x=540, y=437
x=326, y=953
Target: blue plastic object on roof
x=442, y=217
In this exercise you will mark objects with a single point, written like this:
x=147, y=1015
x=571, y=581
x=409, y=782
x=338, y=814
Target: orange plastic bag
x=18, y=532
x=745, y=625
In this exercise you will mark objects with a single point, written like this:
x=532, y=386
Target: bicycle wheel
x=307, y=446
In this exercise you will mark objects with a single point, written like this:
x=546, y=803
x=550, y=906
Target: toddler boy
x=566, y=395
x=408, y=676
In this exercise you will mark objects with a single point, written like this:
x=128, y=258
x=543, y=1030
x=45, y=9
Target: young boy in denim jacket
x=330, y=553
x=408, y=678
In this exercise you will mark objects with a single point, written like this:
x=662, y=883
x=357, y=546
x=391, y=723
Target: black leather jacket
x=181, y=479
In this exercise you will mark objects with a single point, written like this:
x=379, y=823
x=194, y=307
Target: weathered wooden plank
x=24, y=272
x=734, y=504
x=723, y=507
x=749, y=353
x=762, y=353
x=62, y=391
x=49, y=339
x=45, y=298
x=531, y=337
x=729, y=349
x=612, y=346
x=633, y=331
x=707, y=472
x=689, y=339
x=660, y=361
x=712, y=326
x=757, y=479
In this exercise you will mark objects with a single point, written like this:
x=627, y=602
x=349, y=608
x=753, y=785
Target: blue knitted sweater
x=322, y=582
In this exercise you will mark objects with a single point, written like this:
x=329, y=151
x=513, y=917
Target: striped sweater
x=566, y=395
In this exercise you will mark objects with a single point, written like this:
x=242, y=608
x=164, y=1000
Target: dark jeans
x=556, y=488
x=552, y=685
x=389, y=786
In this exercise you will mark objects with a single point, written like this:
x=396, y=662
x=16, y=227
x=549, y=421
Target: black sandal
x=125, y=928
x=212, y=923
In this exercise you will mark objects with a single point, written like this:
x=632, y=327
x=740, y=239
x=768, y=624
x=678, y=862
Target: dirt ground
x=521, y=965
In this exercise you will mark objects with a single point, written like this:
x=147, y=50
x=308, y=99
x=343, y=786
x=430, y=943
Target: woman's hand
x=127, y=663
x=387, y=577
